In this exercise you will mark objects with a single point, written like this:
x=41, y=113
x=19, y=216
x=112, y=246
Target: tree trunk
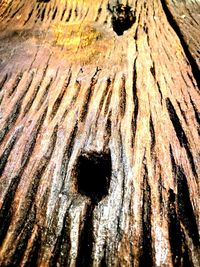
x=99, y=133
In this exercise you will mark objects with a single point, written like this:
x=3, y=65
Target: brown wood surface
x=72, y=93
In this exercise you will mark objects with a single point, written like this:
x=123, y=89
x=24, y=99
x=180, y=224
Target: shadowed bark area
x=99, y=133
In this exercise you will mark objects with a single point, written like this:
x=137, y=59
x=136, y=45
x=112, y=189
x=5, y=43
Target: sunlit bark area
x=99, y=133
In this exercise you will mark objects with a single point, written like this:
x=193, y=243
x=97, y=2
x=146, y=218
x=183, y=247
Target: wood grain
x=70, y=86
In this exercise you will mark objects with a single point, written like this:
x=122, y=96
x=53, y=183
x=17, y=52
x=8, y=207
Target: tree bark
x=99, y=133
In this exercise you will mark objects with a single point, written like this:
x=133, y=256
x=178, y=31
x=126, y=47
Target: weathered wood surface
x=73, y=92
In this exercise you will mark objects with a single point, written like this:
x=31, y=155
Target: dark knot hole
x=122, y=18
x=93, y=175
x=93, y=180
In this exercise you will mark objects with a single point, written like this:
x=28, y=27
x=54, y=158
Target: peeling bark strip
x=180, y=133
x=175, y=26
x=87, y=88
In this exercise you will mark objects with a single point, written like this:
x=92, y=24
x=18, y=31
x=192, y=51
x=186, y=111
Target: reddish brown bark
x=99, y=133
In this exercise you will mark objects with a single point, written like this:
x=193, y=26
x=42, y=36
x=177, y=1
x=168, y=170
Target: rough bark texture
x=99, y=133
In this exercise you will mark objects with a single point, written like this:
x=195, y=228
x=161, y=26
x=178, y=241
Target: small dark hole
x=93, y=175
x=93, y=180
x=122, y=18
x=43, y=1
